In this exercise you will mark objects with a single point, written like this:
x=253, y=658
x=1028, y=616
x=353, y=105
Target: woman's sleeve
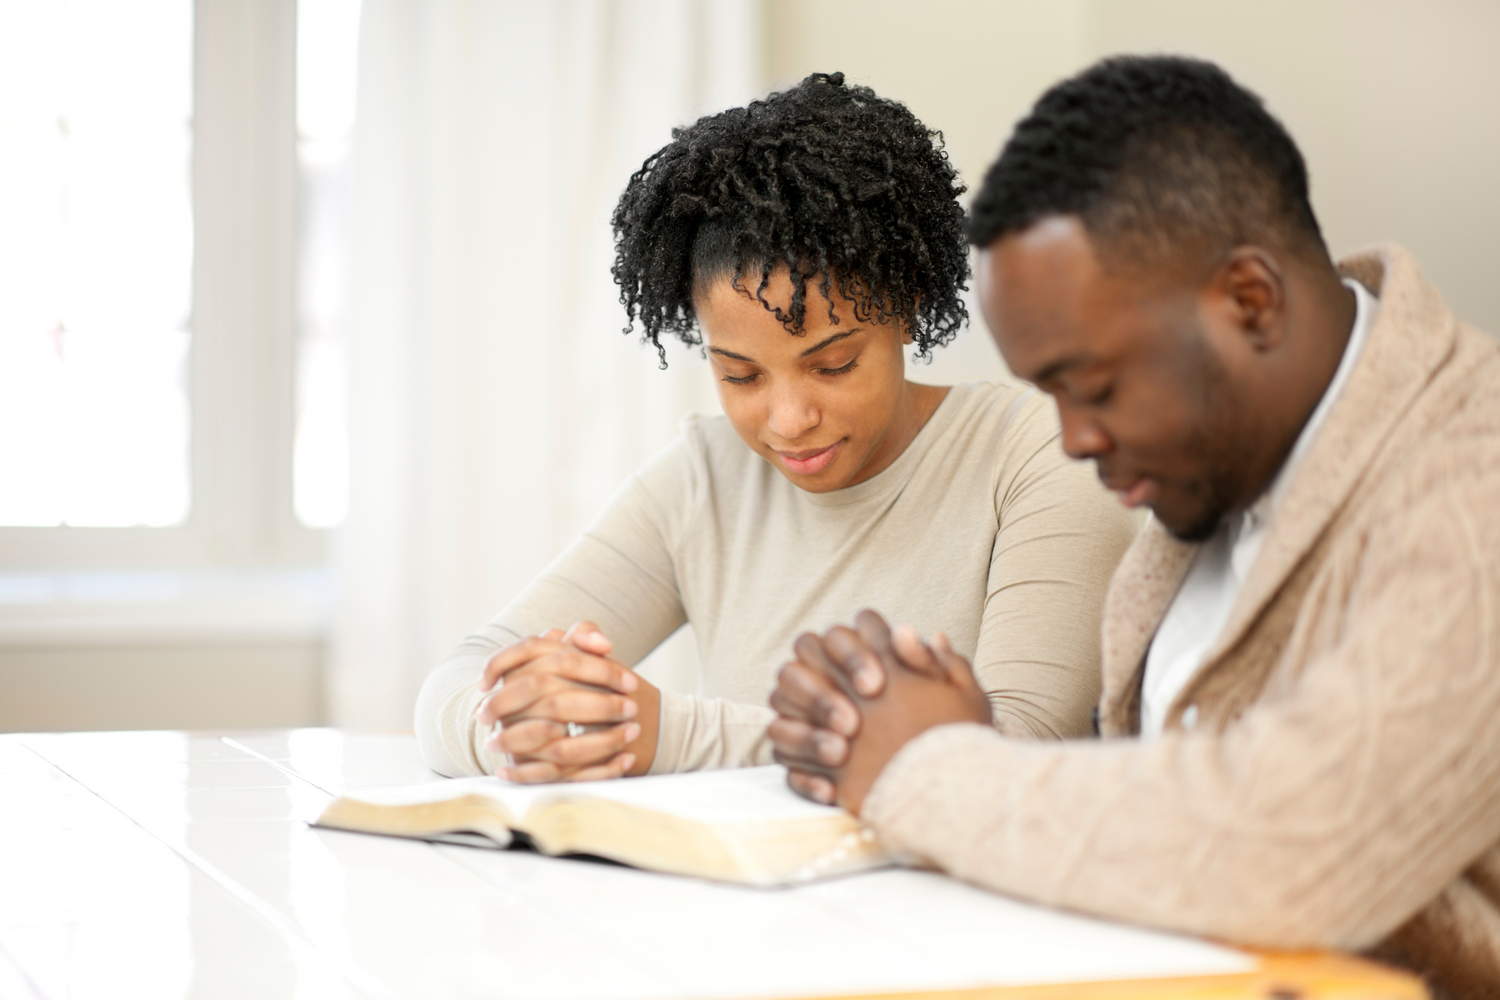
x=1059, y=539
x=700, y=734
x=618, y=574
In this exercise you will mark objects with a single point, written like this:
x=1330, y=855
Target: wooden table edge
x=1281, y=976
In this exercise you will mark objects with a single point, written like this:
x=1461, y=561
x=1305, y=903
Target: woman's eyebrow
x=811, y=350
x=834, y=339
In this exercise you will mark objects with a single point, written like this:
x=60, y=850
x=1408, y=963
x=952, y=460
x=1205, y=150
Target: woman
x=804, y=241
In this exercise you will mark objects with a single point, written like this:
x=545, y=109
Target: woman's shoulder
x=706, y=457
x=717, y=449
x=1002, y=415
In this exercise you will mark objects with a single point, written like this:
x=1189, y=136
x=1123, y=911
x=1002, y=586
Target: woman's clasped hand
x=545, y=689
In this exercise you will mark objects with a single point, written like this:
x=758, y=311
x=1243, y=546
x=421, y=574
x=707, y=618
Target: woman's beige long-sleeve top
x=982, y=529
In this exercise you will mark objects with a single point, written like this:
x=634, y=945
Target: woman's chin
x=834, y=477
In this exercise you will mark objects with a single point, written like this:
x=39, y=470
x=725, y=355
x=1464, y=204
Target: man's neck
x=1318, y=337
x=1322, y=336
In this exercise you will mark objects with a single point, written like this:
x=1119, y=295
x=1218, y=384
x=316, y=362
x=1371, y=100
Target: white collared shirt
x=1222, y=564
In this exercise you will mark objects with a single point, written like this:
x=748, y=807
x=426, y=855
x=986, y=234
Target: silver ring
x=574, y=729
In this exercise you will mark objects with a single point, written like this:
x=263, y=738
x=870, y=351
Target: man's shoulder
x=1453, y=431
x=1421, y=415
x=1429, y=500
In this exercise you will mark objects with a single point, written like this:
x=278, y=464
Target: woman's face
x=824, y=407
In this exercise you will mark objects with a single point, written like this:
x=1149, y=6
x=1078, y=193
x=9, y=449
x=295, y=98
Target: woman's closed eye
x=853, y=364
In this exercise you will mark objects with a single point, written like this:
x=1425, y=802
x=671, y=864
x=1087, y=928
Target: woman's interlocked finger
x=527, y=736
x=576, y=704
x=543, y=771
x=588, y=749
x=516, y=655
x=519, y=693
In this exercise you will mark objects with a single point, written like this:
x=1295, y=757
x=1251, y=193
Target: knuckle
x=792, y=675
x=541, y=685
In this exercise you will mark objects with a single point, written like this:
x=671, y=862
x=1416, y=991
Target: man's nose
x=1082, y=437
x=794, y=412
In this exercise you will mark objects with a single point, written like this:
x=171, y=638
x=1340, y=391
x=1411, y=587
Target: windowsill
x=88, y=609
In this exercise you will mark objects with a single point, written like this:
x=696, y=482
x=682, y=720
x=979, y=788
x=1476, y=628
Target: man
x=1301, y=698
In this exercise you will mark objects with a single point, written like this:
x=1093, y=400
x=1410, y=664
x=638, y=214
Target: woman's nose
x=793, y=413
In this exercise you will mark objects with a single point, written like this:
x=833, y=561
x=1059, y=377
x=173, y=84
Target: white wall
x=164, y=684
x=1396, y=105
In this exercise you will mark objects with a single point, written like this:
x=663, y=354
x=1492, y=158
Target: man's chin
x=1189, y=526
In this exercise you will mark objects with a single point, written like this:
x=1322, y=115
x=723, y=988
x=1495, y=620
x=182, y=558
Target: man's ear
x=1250, y=286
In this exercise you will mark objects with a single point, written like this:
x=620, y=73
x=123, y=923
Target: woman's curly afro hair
x=838, y=186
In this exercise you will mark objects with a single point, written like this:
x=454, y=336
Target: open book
x=742, y=825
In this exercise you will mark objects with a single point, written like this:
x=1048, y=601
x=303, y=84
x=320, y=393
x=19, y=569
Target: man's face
x=1134, y=362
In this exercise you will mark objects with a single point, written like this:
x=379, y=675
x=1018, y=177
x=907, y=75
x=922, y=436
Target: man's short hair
x=1166, y=161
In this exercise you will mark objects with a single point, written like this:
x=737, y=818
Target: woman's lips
x=810, y=463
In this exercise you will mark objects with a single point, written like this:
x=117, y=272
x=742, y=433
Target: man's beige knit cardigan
x=1341, y=786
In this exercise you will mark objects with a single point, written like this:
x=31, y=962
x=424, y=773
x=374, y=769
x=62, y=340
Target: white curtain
x=494, y=403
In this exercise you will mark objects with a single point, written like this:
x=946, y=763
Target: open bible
x=742, y=825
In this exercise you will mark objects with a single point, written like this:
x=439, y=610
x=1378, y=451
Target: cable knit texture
x=1341, y=786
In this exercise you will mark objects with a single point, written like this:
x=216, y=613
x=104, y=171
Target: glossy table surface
x=170, y=865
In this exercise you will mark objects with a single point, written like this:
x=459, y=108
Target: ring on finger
x=574, y=729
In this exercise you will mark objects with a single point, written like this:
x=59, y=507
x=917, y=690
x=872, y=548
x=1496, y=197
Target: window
x=96, y=251
x=327, y=50
x=149, y=315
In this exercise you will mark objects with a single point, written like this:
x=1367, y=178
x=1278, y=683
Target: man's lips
x=1136, y=493
x=809, y=463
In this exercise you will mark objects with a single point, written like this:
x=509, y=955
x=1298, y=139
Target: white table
x=169, y=865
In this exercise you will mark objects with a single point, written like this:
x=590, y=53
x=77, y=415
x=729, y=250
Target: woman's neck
x=917, y=405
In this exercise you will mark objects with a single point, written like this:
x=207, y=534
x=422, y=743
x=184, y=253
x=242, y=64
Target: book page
x=721, y=798
x=739, y=795
x=430, y=791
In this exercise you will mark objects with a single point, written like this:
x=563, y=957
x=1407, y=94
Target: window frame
x=244, y=322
